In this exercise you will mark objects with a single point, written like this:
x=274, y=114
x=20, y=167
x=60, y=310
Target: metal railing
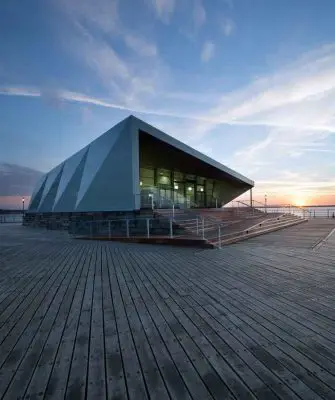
x=11, y=218
x=292, y=209
x=319, y=212
x=146, y=228
x=125, y=228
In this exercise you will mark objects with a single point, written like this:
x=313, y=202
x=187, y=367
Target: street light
x=152, y=200
x=266, y=202
x=22, y=205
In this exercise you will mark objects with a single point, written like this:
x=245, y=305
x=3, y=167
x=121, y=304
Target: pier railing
x=11, y=218
x=137, y=227
x=300, y=211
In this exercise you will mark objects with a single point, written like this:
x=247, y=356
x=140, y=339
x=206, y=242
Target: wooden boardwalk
x=99, y=320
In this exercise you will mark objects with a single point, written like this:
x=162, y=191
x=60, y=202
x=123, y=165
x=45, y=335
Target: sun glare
x=299, y=202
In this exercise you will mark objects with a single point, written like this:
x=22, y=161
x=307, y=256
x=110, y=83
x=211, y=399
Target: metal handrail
x=123, y=227
x=258, y=202
x=244, y=204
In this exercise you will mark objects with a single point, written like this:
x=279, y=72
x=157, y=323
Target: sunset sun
x=299, y=202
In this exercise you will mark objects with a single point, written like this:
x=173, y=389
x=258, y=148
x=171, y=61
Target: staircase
x=262, y=227
x=225, y=226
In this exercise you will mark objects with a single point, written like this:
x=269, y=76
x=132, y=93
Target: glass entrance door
x=190, y=194
x=165, y=197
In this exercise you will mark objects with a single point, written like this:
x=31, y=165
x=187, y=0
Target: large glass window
x=178, y=188
x=163, y=177
x=147, y=177
x=178, y=176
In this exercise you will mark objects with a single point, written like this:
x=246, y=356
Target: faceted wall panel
x=68, y=199
x=48, y=202
x=97, y=153
x=51, y=177
x=37, y=195
x=112, y=186
x=69, y=169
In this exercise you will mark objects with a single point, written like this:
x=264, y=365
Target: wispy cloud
x=163, y=9
x=296, y=102
x=75, y=97
x=140, y=46
x=199, y=14
x=227, y=26
x=127, y=78
x=207, y=51
x=100, y=13
x=16, y=180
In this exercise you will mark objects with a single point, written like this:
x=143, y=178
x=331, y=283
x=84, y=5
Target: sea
x=306, y=211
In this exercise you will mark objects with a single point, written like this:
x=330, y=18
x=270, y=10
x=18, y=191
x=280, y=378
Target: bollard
x=219, y=234
x=148, y=228
x=203, y=227
x=171, y=228
x=127, y=227
x=197, y=226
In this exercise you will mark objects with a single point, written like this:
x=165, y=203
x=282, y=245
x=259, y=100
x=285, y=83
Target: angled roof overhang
x=156, y=133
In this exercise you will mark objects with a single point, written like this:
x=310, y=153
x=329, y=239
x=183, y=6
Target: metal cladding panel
x=37, y=187
x=51, y=177
x=47, y=204
x=37, y=194
x=69, y=169
x=112, y=188
x=97, y=153
x=135, y=157
x=68, y=199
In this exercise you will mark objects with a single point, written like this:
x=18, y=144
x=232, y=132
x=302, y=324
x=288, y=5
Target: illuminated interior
x=176, y=178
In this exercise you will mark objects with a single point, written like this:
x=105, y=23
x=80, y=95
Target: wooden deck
x=100, y=320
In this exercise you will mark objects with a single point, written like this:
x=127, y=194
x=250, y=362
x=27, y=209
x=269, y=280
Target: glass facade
x=163, y=188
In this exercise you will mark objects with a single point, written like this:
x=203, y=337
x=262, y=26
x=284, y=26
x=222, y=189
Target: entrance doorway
x=190, y=194
x=164, y=197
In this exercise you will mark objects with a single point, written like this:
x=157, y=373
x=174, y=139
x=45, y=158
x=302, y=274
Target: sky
x=251, y=83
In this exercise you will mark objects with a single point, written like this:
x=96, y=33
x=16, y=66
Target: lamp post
x=152, y=200
x=23, y=205
x=266, y=202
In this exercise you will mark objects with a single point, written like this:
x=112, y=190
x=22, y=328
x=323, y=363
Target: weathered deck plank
x=99, y=320
x=40, y=352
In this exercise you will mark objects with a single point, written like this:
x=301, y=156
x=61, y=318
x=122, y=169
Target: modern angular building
x=135, y=166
